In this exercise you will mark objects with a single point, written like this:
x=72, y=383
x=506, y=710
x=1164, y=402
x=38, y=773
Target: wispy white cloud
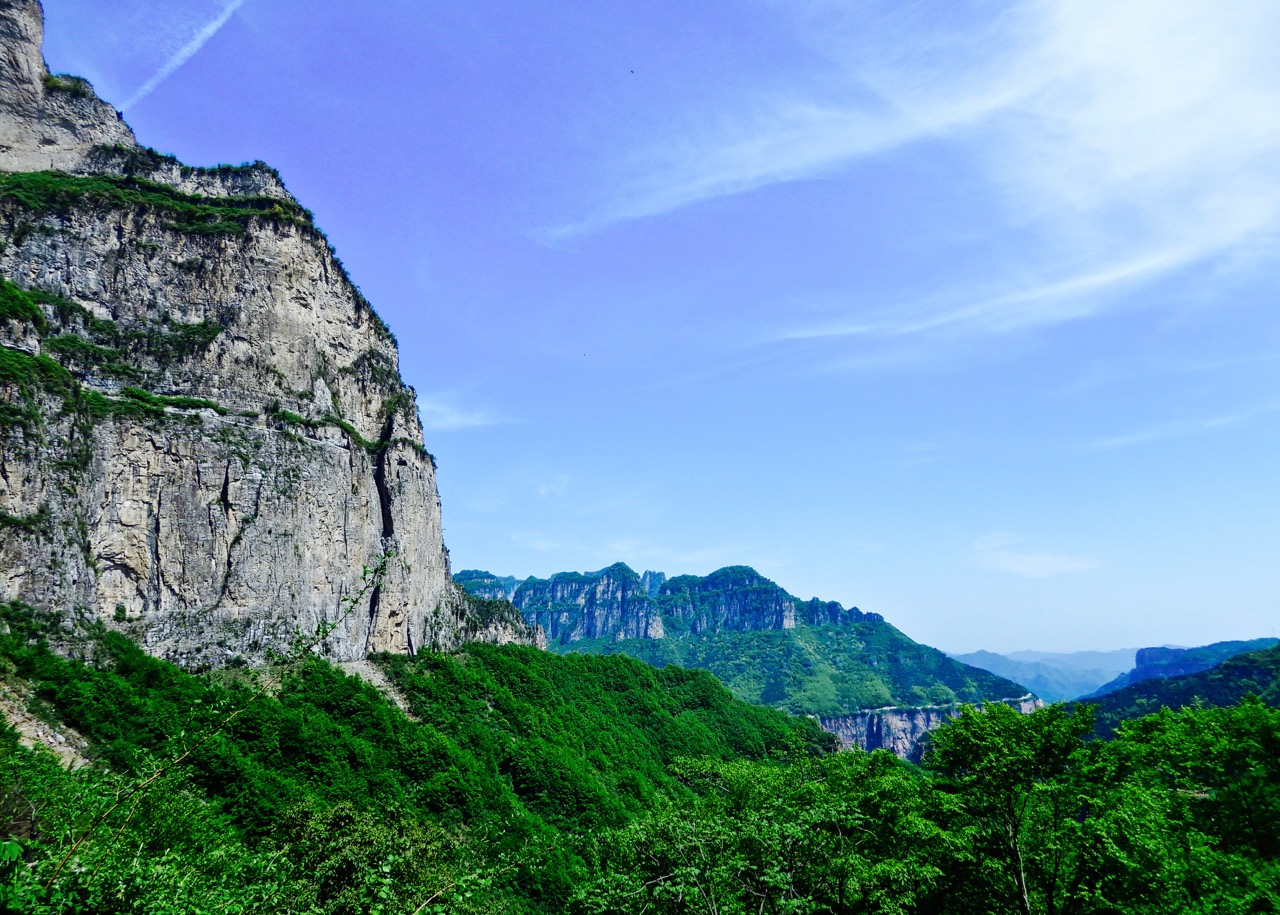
x=1002, y=553
x=185, y=53
x=1124, y=142
x=1081, y=97
x=440, y=414
x=555, y=486
x=1050, y=302
x=1182, y=429
x=788, y=141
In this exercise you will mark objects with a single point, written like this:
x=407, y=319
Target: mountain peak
x=50, y=121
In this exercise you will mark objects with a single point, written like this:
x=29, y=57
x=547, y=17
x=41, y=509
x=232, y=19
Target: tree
x=1010, y=771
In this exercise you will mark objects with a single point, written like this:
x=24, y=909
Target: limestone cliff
x=901, y=731
x=203, y=431
x=612, y=603
x=616, y=603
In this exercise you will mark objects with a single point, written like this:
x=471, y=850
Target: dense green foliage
x=820, y=670
x=1013, y=814
x=17, y=305
x=524, y=748
x=1255, y=673
x=522, y=781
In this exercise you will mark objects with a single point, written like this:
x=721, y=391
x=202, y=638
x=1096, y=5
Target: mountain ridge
x=1161, y=662
x=1251, y=673
x=864, y=679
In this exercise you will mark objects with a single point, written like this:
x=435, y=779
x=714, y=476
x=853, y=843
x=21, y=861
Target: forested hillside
x=1254, y=673
x=521, y=781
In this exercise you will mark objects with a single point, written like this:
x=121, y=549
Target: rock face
x=612, y=603
x=48, y=122
x=616, y=603
x=901, y=731
x=204, y=435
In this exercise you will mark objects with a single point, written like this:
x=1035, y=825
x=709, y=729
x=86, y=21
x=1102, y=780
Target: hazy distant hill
x=1118, y=659
x=1254, y=673
x=1053, y=677
x=1152, y=663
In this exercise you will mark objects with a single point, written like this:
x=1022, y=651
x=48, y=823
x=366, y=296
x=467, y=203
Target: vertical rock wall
x=204, y=435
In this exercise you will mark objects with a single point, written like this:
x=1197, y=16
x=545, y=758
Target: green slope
x=520, y=746
x=820, y=670
x=1255, y=673
x=769, y=647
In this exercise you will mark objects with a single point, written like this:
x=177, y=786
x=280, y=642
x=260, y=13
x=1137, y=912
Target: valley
x=238, y=672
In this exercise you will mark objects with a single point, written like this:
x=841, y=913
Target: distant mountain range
x=1061, y=677
x=808, y=657
x=1054, y=677
x=1162, y=663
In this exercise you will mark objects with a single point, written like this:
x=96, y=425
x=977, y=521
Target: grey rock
x=902, y=731
x=216, y=527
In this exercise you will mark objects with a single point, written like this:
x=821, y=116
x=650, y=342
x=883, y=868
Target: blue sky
x=963, y=313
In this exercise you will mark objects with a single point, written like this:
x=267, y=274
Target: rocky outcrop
x=615, y=603
x=486, y=585
x=48, y=121
x=204, y=435
x=611, y=604
x=901, y=731
x=735, y=598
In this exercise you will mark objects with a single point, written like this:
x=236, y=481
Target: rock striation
x=902, y=731
x=204, y=435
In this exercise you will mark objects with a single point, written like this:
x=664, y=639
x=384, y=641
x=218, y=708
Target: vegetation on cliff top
x=44, y=193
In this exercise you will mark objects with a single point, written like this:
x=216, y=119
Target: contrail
x=185, y=54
